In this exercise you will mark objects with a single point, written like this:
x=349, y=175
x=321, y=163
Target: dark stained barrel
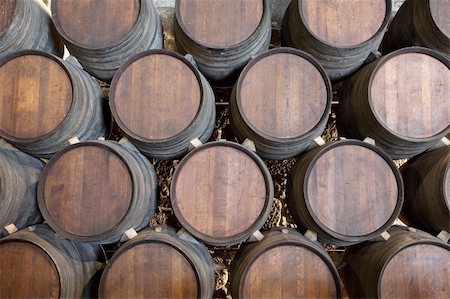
x=35, y=263
x=401, y=100
x=159, y=264
x=222, y=35
x=295, y=266
x=46, y=101
x=410, y=264
x=427, y=191
x=339, y=34
x=95, y=191
x=420, y=23
x=103, y=34
x=345, y=191
x=19, y=174
x=222, y=193
x=162, y=102
x=281, y=102
x=26, y=24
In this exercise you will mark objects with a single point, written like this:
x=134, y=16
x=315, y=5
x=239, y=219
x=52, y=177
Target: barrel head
x=440, y=10
x=7, y=11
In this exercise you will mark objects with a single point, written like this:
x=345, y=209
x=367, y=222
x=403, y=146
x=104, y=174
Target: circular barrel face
x=7, y=13
x=293, y=272
x=343, y=23
x=440, y=10
x=447, y=185
x=425, y=273
x=95, y=23
x=219, y=23
x=27, y=271
x=86, y=190
x=410, y=95
x=156, y=96
x=150, y=270
x=282, y=95
x=35, y=95
x=219, y=192
x=351, y=190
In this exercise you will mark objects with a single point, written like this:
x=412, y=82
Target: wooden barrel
x=103, y=34
x=45, y=101
x=345, y=191
x=339, y=34
x=222, y=193
x=171, y=105
x=295, y=266
x=401, y=100
x=419, y=23
x=159, y=264
x=281, y=102
x=411, y=264
x=427, y=191
x=222, y=35
x=36, y=263
x=26, y=24
x=95, y=191
x=19, y=175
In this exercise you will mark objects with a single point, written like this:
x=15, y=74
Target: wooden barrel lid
x=282, y=94
x=447, y=186
x=352, y=190
x=440, y=10
x=220, y=191
x=425, y=273
x=344, y=23
x=154, y=270
x=410, y=94
x=86, y=190
x=219, y=23
x=35, y=95
x=95, y=23
x=156, y=96
x=7, y=11
x=27, y=271
x=300, y=282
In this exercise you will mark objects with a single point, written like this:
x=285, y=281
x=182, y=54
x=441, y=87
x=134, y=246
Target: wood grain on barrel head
x=447, y=186
x=150, y=270
x=87, y=190
x=425, y=273
x=288, y=272
x=410, y=95
x=35, y=96
x=156, y=97
x=343, y=22
x=440, y=11
x=283, y=95
x=352, y=190
x=95, y=23
x=7, y=12
x=220, y=191
x=219, y=23
x=26, y=271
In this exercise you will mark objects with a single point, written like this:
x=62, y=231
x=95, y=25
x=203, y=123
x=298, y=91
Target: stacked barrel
x=84, y=138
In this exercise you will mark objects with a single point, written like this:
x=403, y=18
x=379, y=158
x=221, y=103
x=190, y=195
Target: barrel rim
x=116, y=78
x=267, y=244
x=61, y=63
x=149, y=238
x=418, y=50
x=399, y=181
x=41, y=185
x=380, y=30
x=80, y=45
x=8, y=24
x=260, y=220
x=301, y=54
x=266, y=12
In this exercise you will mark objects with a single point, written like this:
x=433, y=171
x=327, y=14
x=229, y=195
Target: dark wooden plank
x=35, y=96
x=26, y=271
x=95, y=23
x=7, y=12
